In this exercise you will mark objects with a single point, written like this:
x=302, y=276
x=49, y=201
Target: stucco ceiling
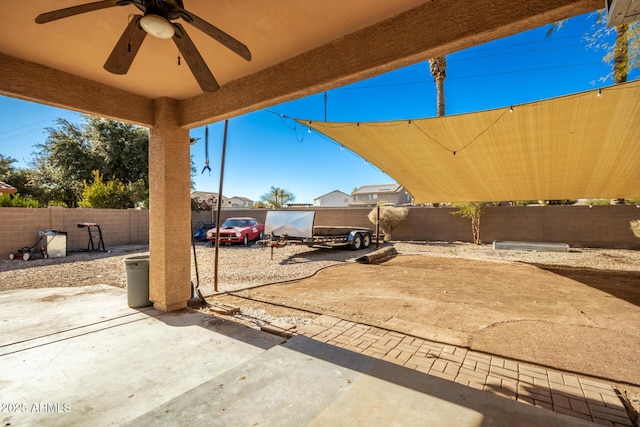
x=297, y=47
x=273, y=32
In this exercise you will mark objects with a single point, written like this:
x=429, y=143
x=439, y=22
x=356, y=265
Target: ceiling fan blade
x=126, y=48
x=77, y=10
x=195, y=61
x=216, y=33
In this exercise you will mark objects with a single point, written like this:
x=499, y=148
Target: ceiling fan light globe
x=157, y=26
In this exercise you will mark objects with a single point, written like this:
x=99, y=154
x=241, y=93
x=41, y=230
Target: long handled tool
x=197, y=299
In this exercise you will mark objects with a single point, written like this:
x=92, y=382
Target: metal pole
x=219, y=208
x=378, y=227
x=206, y=142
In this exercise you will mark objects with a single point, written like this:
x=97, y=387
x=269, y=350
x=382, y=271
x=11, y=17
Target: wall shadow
x=621, y=284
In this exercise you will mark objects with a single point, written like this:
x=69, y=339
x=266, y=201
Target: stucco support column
x=169, y=209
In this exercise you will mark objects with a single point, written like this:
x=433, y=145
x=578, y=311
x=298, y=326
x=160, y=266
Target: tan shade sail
x=580, y=146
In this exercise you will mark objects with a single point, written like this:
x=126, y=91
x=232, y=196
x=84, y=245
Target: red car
x=238, y=230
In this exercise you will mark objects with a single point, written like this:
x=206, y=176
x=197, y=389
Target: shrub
x=599, y=202
x=390, y=217
x=15, y=201
x=105, y=195
x=200, y=204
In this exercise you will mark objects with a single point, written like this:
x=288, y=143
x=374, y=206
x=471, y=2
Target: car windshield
x=236, y=223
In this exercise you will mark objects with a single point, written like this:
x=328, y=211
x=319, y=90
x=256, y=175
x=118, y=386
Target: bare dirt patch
x=576, y=320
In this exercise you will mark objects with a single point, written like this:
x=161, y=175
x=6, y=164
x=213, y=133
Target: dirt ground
x=577, y=319
x=585, y=321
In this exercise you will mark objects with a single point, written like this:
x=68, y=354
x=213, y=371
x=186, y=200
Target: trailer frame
x=298, y=228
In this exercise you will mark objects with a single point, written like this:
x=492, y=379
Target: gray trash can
x=137, y=268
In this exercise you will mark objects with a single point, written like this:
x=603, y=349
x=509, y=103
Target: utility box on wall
x=56, y=244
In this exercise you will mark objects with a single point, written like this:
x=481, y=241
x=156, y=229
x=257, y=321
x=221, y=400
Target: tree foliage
x=6, y=167
x=277, y=197
x=21, y=179
x=105, y=195
x=390, y=217
x=620, y=45
x=73, y=151
x=473, y=211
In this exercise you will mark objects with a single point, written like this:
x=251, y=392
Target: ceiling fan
x=156, y=20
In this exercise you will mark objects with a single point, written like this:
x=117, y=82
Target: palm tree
x=277, y=197
x=621, y=54
x=438, y=67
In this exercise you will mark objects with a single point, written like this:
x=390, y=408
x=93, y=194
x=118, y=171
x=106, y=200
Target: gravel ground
x=242, y=267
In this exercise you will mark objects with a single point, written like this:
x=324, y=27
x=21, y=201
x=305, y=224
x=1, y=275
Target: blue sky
x=266, y=149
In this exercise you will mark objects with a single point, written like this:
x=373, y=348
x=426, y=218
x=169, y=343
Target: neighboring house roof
x=244, y=199
x=204, y=195
x=6, y=188
x=331, y=192
x=382, y=188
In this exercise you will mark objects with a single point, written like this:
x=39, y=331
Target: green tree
x=105, y=195
x=18, y=178
x=6, y=167
x=277, y=197
x=473, y=211
x=121, y=149
x=139, y=194
x=72, y=151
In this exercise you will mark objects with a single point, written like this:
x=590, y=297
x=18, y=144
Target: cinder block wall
x=579, y=226
x=19, y=227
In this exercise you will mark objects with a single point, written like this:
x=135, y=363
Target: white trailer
x=297, y=227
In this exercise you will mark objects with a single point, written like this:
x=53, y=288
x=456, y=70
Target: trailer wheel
x=356, y=243
x=366, y=240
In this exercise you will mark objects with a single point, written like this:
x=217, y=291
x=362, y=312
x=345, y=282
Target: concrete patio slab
x=308, y=383
x=90, y=360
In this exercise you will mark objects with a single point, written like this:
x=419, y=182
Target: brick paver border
x=526, y=383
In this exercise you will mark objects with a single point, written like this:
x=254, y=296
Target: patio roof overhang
x=60, y=63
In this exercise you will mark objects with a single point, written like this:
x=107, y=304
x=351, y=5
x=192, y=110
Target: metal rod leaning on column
x=219, y=207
